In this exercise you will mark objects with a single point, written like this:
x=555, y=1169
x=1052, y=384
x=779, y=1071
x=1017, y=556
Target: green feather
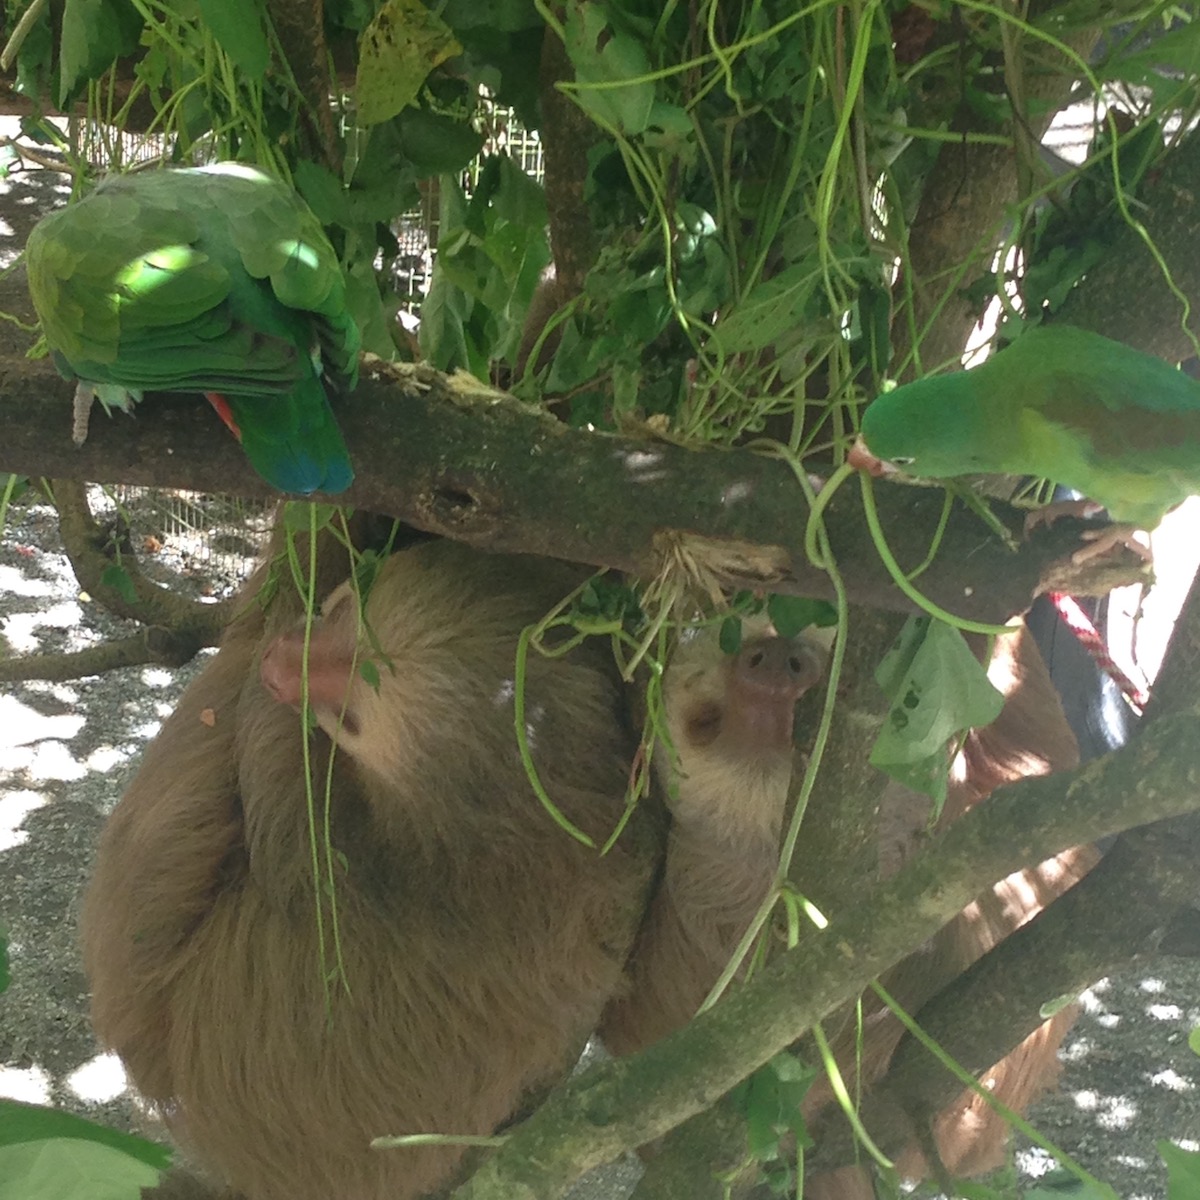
x=217, y=279
x=1060, y=403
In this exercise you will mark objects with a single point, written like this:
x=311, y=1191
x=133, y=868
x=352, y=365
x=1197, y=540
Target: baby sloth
x=730, y=719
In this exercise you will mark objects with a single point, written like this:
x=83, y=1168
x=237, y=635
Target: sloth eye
x=338, y=606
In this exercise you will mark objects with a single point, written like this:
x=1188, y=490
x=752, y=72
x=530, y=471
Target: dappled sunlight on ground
x=99, y=1080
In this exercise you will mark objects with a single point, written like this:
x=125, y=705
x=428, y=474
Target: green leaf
x=506, y=63
x=365, y=305
x=240, y=31
x=769, y=311
x=972, y=1189
x=770, y=1102
x=116, y=577
x=95, y=33
x=937, y=688
x=792, y=614
x=604, y=55
x=34, y=62
x=505, y=16
x=605, y=599
x=301, y=515
x=1194, y=1040
x=1051, y=1007
x=435, y=144
x=403, y=43
x=22, y=1124
x=730, y=636
x=1179, y=49
x=443, y=316
x=12, y=487
x=349, y=14
x=369, y=670
x=322, y=191
x=366, y=571
x=69, y=1169
x=1183, y=1171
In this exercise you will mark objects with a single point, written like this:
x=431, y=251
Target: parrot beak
x=861, y=458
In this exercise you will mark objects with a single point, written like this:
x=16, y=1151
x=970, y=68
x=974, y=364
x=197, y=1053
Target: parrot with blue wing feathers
x=218, y=280
x=1059, y=403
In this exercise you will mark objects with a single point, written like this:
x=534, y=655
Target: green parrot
x=1060, y=403
x=218, y=280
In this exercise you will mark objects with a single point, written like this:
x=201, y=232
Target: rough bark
x=968, y=198
x=615, y=1106
x=567, y=134
x=92, y=549
x=154, y=645
x=840, y=841
x=453, y=457
x=1159, y=321
x=300, y=28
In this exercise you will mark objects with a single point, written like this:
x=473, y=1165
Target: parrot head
x=933, y=428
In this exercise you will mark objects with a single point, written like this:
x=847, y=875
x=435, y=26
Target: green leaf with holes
x=937, y=689
x=610, y=70
x=405, y=41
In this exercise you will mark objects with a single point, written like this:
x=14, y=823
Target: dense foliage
x=758, y=213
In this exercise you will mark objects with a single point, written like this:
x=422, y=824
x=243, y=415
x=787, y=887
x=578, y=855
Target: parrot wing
x=217, y=279
x=1120, y=426
x=1060, y=403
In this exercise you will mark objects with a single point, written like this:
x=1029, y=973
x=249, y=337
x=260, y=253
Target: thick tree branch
x=967, y=199
x=301, y=31
x=92, y=550
x=616, y=1106
x=1115, y=916
x=567, y=136
x=154, y=644
x=1170, y=217
x=455, y=458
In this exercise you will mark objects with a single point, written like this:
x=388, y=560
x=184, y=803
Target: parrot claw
x=1101, y=541
x=81, y=411
x=1049, y=513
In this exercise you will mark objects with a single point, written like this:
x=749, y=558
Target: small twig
x=156, y=645
x=21, y=32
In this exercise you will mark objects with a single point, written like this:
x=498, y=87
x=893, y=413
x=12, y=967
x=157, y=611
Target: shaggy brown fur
x=730, y=722
x=727, y=811
x=479, y=941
